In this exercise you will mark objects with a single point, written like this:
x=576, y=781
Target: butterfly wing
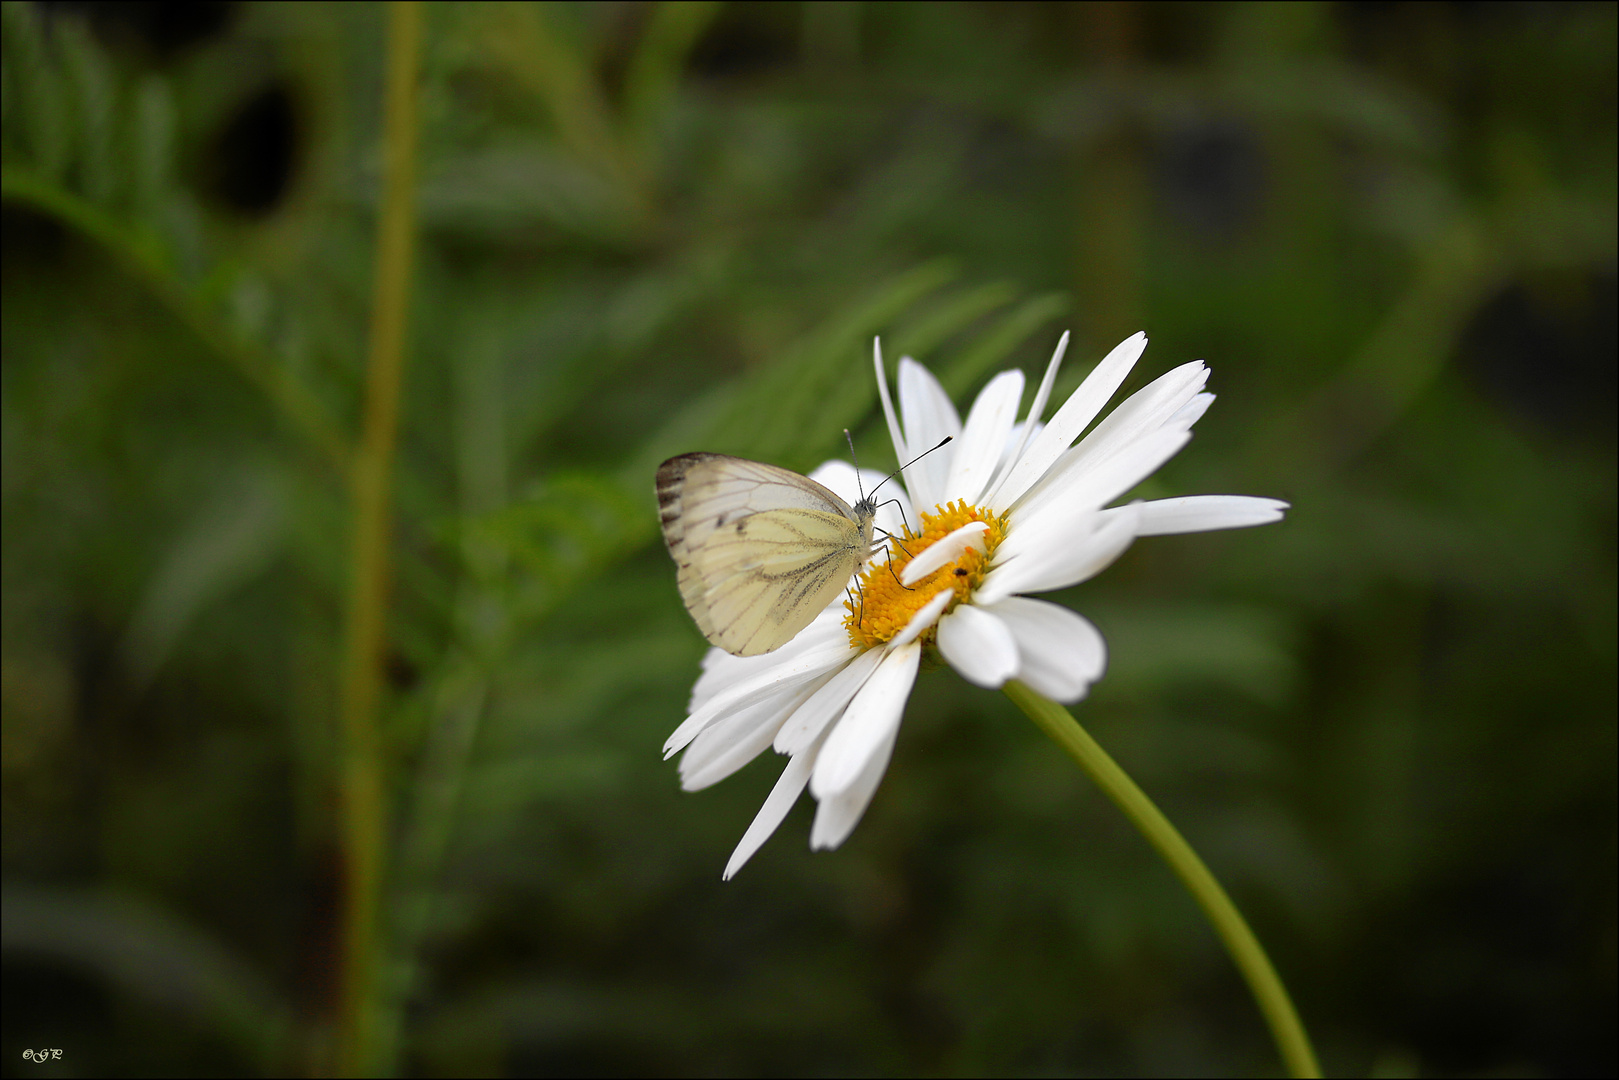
x=761, y=550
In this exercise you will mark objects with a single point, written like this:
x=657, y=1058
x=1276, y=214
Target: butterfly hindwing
x=761, y=550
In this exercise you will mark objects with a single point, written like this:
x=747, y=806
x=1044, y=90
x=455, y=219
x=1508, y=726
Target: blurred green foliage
x=1388, y=724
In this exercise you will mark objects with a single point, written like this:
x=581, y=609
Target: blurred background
x=643, y=229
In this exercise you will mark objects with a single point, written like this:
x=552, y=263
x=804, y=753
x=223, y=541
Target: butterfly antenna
x=862, y=488
x=909, y=463
x=855, y=458
x=865, y=498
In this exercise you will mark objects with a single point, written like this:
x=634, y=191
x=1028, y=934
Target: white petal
x=1058, y=511
x=925, y=617
x=716, y=673
x=1191, y=412
x=1019, y=438
x=983, y=440
x=789, y=675
x=1141, y=416
x=730, y=743
x=1061, y=653
x=722, y=670
x=926, y=409
x=944, y=551
x=1057, y=528
x=846, y=482
x=1206, y=513
x=1065, y=561
x=901, y=451
x=978, y=645
x=1056, y=514
x=810, y=719
x=1032, y=426
x=870, y=720
x=837, y=815
x=1149, y=408
x=770, y=816
x=1103, y=481
x=734, y=728
x=1076, y=413
x=929, y=417
x=1016, y=440
x=840, y=477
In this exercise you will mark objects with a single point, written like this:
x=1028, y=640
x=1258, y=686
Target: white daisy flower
x=1002, y=510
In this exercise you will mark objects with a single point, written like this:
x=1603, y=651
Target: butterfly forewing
x=761, y=550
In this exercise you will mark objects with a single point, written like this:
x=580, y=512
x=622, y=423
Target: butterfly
x=761, y=550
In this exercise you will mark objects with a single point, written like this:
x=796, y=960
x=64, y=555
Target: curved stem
x=364, y=1029
x=1245, y=949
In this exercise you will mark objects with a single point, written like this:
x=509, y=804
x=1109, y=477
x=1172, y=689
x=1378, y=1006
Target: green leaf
x=672, y=29
x=152, y=151
x=150, y=954
x=94, y=92
x=996, y=345
x=225, y=544
x=795, y=409
x=40, y=104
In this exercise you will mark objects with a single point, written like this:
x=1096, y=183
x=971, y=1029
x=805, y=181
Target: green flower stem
x=1250, y=958
x=363, y=1035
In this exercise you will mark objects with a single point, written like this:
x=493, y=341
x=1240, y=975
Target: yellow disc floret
x=881, y=606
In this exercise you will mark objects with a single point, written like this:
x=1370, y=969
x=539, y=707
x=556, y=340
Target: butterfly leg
x=858, y=601
x=897, y=581
x=902, y=516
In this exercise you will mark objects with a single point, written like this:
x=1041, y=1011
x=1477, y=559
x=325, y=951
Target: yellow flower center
x=882, y=607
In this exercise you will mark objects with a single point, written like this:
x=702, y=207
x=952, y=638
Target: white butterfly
x=761, y=549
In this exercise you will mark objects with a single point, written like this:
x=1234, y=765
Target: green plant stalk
x=362, y=1029
x=1245, y=949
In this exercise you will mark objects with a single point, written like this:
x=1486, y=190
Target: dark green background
x=1387, y=724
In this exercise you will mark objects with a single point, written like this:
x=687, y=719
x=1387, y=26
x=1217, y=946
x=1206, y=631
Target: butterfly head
x=865, y=511
x=865, y=516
